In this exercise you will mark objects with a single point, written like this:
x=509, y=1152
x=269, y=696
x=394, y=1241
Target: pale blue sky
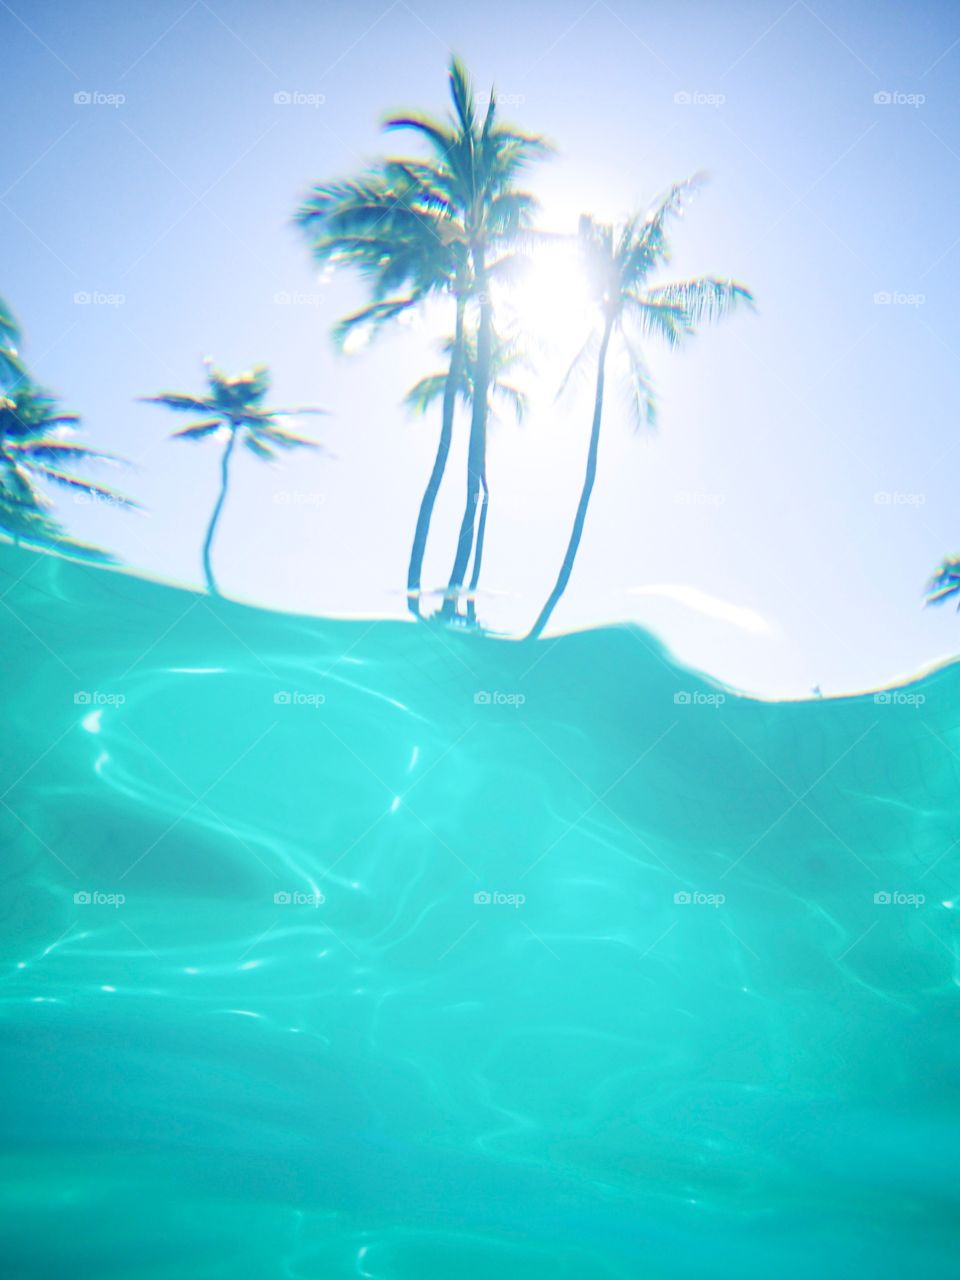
x=778, y=430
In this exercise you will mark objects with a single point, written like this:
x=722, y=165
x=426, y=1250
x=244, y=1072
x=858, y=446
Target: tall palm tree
x=381, y=224
x=11, y=368
x=448, y=225
x=619, y=263
x=945, y=582
x=507, y=355
x=33, y=452
x=233, y=409
x=472, y=171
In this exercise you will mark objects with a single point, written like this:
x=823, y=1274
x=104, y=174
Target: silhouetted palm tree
x=33, y=452
x=474, y=165
x=506, y=356
x=234, y=410
x=619, y=263
x=945, y=582
x=399, y=243
x=450, y=225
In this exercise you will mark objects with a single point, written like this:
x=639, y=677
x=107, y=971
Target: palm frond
x=664, y=320
x=9, y=329
x=68, y=481
x=426, y=392
x=461, y=91
x=256, y=446
x=50, y=450
x=181, y=403
x=578, y=363
x=12, y=368
x=200, y=430
x=373, y=317
x=642, y=397
x=945, y=582
x=286, y=439
x=702, y=300
x=650, y=247
x=237, y=405
x=518, y=400
x=435, y=132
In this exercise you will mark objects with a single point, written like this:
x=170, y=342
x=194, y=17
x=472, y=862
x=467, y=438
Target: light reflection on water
x=380, y=980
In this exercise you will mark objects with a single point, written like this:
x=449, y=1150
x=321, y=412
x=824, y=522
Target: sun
x=550, y=304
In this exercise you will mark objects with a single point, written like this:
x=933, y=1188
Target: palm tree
x=234, y=410
x=945, y=582
x=11, y=368
x=32, y=452
x=474, y=165
x=399, y=243
x=506, y=355
x=450, y=226
x=619, y=263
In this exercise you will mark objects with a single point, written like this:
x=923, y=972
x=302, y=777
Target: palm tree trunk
x=590, y=476
x=214, y=519
x=477, y=449
x=478, y=550
x=429, y=499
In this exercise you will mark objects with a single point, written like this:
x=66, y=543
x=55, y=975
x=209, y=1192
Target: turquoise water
x=585, y=1077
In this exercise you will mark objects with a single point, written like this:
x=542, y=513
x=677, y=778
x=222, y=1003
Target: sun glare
x=551, y=304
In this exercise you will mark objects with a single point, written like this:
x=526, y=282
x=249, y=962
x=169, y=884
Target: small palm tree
x=507, y=355
x=945, y=582
x=33, y=452
x=447, y=226
x=234, y=411
x=619, y=263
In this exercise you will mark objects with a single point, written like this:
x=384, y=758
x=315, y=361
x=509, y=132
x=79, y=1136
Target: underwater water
x=355, y=949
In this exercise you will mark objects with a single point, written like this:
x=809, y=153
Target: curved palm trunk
x=478, y=552
x=588, y=480
x=429, y=499
x=477, y=451
x=214, y=519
